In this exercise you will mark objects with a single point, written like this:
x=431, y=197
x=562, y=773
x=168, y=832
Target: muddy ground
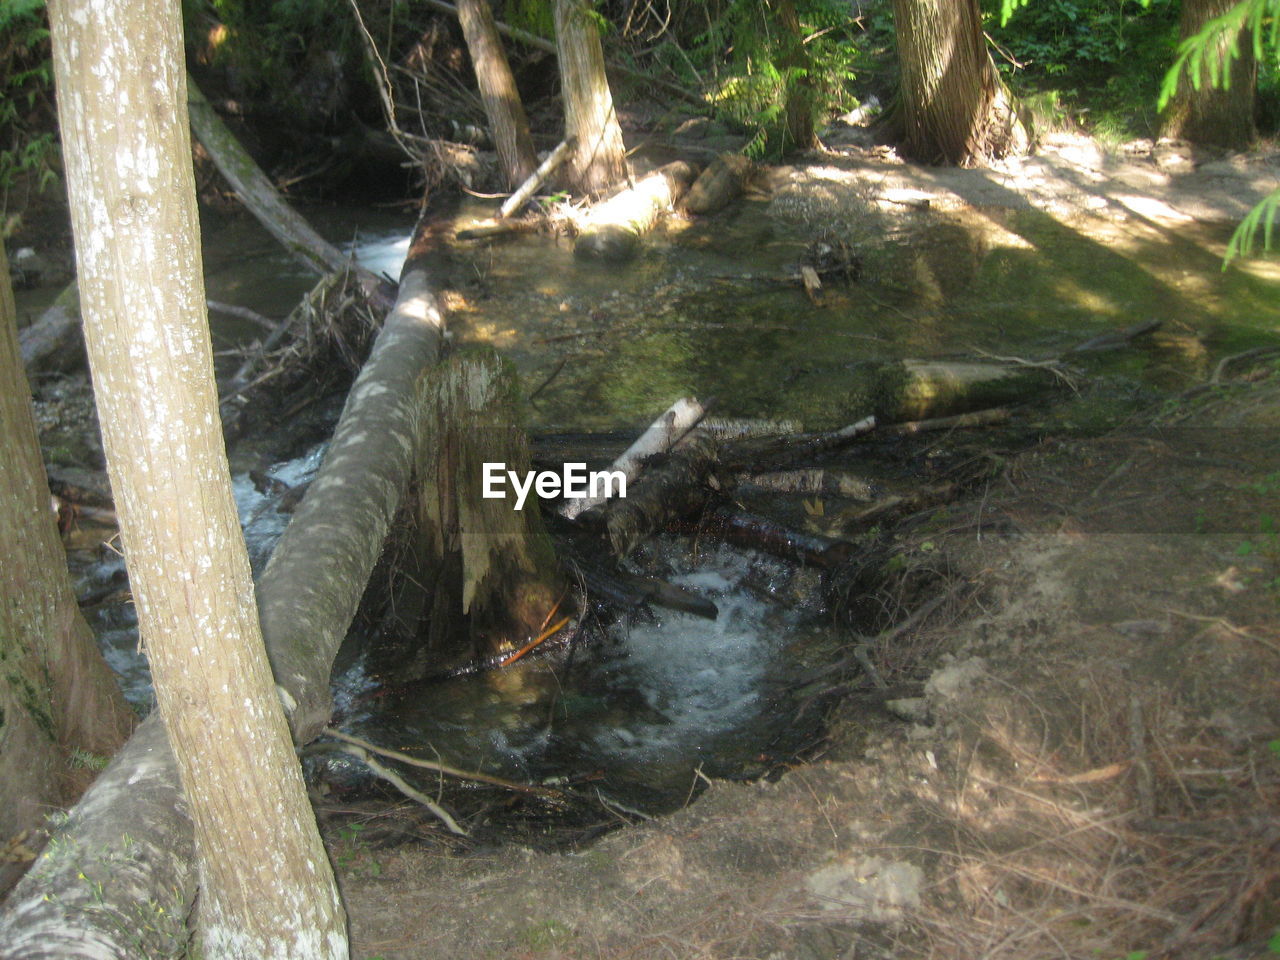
x=1082, y=753
x=1079, y=756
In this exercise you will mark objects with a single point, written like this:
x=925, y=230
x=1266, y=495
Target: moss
x=34, y=702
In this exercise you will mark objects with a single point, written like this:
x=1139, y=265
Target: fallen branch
x=535, y=180
x=399, y=783
x=661, y=435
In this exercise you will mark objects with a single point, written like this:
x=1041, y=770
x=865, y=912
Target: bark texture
x=507, y=120
x=57, y=695
x=118, y=877
x=135, y=813
x=267, y=889
x=599, y=160
x=313, y=583
x=1215, y=115
x=954, y=108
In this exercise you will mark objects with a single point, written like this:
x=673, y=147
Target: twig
x=1229, y=627
x=442, y=768
x=549, y=632
x=244, y=313
x=398, y=782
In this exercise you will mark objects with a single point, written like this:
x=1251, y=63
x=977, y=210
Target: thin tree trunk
x=1219, y=115
x=131, y=833
x=954, y=107
x=599, y=160
x=507, y=120
x=267, y=889
x=57, y=695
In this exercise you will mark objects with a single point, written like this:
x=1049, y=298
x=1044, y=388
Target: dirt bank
x=1092, y=768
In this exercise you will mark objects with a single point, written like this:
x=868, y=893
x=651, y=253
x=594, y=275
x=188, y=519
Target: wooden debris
x=614, y=228
x=661, y=435
x=722, y=181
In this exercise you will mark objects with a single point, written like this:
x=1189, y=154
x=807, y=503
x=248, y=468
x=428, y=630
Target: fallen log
x=680, y=486
x=660, y=436
x=53, y=341
x=614, y=227
x=117, y=879
x=725, y=177
x=313, y=583
x=754, y=532
x=537, y=178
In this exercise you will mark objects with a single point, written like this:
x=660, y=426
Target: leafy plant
x=27, y=145
x=774, y=64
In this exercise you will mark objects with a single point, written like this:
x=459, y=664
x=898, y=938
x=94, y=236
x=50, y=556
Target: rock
x=723, y=180
x=946, y=683
x=27, y=268
x=867, y=888
x=911, y=709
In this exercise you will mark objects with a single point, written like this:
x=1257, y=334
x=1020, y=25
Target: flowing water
x=708, y=310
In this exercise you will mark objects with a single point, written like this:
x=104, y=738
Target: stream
x=707, y=310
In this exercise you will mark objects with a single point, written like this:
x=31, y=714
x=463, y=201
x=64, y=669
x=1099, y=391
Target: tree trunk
x=599, y=160
x=131, y=831
x=267, y=889
x=59, y=701
x=480, y=578
x=795, y=62
x=318, y=571
x=954, y=107
x=507, y=121
x=1219, y=115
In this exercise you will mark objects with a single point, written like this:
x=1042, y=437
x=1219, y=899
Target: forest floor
x=1092, y=767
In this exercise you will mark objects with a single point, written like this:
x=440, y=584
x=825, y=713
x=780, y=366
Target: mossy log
x=723, y=180
x=614, y=228
x=477, y=578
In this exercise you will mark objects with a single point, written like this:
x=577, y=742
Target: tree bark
x=599, y=160
x=799, y=132
x=313, y=583
x=954, y=108
x=507, y=120
x=57, y=695
x=267, y=889
x=1219, y=115
x=480, y=578
x=135, y=814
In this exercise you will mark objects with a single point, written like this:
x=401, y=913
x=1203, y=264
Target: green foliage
x=1093, y=58
x=27, y=145
x=1204, y=58
x=1200, y=56
x=770, y=67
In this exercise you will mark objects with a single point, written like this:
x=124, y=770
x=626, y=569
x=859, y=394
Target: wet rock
x=27, y=268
